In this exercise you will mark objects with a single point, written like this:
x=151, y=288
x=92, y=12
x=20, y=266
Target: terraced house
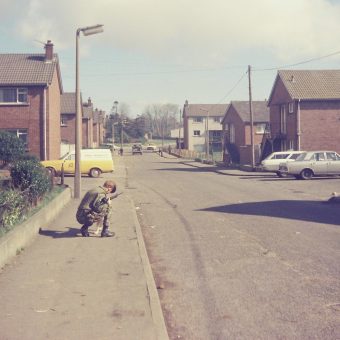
x=30, y=90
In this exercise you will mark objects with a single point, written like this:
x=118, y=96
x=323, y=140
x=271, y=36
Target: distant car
x=111, y=146
x=313, y=163
x=151, y=147
x=271, y=163
x=137, y=148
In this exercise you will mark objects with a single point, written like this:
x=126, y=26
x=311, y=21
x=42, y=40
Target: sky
x=169, y=51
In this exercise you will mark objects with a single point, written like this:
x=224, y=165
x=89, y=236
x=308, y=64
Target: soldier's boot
x=106, y=232
x=84, y=231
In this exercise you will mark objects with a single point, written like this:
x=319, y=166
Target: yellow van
x=93, y=162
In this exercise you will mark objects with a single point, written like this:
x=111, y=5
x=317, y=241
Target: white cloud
x=195, y=31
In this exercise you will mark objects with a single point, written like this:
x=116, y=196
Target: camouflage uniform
x=94, y=207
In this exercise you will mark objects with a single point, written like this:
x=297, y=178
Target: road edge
x=155, y=305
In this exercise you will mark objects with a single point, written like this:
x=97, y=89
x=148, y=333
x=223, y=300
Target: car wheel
x=306, y=174
x=280, y=174
x=51, y=171
x=95, y=172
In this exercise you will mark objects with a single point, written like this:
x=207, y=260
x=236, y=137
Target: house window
x=260, y=128
x=197, y=132
x=283, y=119
x=20, y=133
x=13, y=95
x=232, y=133
x=197, y=119
x=291, y=144
x=291, y=107
x=63, y=121
x=217, y=119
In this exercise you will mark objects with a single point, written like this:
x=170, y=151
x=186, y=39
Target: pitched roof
x=68, y=103
x=260, y=110
x=310, y=84
x=27, y=69
x=200, y=110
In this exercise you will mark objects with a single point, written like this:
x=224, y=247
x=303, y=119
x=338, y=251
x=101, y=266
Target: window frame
x=197, y=135
x=63, y=120
x=18, y=133
x=263, y=127
x=291, y=107
x=231, y=133
x=20, y=92
x=283, y=119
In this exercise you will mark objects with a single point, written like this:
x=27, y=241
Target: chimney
x=48, y=51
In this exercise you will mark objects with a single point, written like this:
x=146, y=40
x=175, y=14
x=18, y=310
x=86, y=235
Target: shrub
x=12, y=208
x=11, y=147
x=31, y=178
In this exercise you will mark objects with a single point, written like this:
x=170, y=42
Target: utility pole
x=251, y=121
x=179, y=132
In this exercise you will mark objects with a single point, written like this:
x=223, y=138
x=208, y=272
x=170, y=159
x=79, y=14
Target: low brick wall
x=22, y=235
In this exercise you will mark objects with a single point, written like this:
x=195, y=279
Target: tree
x=160, y=119
x=11, y=148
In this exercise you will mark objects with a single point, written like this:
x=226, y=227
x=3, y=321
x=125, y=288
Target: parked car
x=151, y=147
x=111, y=146
x=137, y=148
x=313, y=163
x=271, y=163
x=93, y=162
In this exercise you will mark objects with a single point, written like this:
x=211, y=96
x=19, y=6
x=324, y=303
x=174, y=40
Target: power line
x=299, y=63
x=233, y=88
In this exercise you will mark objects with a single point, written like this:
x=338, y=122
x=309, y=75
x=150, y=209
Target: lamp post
x=77, y=174
x=179, y=132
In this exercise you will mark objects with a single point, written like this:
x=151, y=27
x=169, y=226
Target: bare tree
x=161, y=118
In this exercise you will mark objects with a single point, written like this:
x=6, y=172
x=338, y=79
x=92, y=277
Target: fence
x=190, y=154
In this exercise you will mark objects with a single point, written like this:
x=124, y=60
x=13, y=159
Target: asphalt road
x=239, y=257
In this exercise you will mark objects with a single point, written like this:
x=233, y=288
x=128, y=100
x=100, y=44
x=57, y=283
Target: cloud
x=193, y=32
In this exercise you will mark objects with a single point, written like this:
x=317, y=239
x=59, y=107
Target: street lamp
x=207, y=139
x=77, y=174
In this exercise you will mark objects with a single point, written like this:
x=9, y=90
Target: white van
x=93, y=162
x=271, y=163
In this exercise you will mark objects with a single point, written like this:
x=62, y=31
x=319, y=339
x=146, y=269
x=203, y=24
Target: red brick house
x=237, y=131
x=30, y=90
x=305, y=110
x=68, y=118
x=98, y=127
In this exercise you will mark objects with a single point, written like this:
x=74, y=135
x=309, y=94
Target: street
x=247, y=256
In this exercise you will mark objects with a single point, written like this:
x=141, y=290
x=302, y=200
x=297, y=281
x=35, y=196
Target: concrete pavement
x=64, y=286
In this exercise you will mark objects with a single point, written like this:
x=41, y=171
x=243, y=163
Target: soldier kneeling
x=95, y=207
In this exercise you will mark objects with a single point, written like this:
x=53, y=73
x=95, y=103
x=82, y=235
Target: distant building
x=202, y=126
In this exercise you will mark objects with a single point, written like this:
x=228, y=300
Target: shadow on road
x=70, y=232
x=313, y=211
